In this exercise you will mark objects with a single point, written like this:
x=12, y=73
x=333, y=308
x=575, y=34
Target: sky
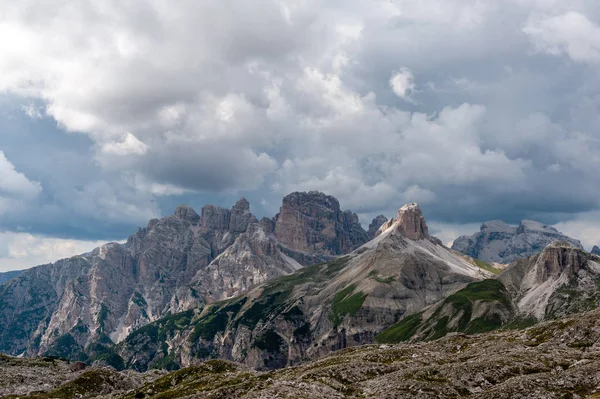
x=114, y=112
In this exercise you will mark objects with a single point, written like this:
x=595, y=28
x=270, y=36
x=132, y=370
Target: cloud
x=571, y=34
x=33, y=111
x=21, y=250
x=585, y=227
x=154, y=102
x=128, y=145
x=402, y=83
x=14, y=184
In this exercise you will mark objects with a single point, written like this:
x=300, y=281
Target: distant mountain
x=559, y=281
x=81, y=306
x=5, y=276
x=500, y=242
x=596, y=250
x=321, y=308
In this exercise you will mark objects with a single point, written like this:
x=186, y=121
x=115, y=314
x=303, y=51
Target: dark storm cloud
x=478, y=110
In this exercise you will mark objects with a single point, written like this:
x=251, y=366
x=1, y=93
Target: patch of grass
x=486, y=266
x=374, y=275
x=164, y=327
x=66, y=347
x=110, y=358
x=486, y=290
x=346, y=304
x=275, y=295
x=521, y=323
x=217, y=319
x=168, y=362
x=139, y=300
x=484, y=324
x=401, y=331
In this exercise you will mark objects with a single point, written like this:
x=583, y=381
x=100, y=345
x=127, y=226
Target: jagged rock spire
x=186, y=212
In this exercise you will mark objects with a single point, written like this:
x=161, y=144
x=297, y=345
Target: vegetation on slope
x=455, y=314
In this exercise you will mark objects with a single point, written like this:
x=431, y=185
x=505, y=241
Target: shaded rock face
x=500, y=242
x=79, y=307
x=596, y=250
x=314, y=223
x=318, y=309
x=375, y=225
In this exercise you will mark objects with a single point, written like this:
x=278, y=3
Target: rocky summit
x=80, y=307
x=500, y=242
x=312, y=223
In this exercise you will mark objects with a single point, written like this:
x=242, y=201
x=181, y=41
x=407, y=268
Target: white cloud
x=33, y=111
x=22, y=250
x=571, y=34
x=448, y=232
x=278, y=96
x=586, y=228
x=14, y=184
x=127, y=145
x=403, y=83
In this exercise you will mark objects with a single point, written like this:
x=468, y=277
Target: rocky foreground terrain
x=556, y=359
x=500, y=242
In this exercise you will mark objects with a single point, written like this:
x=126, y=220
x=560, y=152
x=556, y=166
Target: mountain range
x=281, y=291
x=176, y=263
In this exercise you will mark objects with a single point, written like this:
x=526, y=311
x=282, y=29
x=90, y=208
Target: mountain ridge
x=173, y=264
x=497, y=241
x=316, y=310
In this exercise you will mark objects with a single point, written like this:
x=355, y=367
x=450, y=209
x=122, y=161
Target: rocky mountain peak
x=560, y=257
x=500, y=242
x=596, y=250
x=312, y=222
x=309, y=202
x=539, y=284
x=375, y=225
x=187, y=213
x=533, y=226
x=241, y=206
x=411, y=223
x=497, y=226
